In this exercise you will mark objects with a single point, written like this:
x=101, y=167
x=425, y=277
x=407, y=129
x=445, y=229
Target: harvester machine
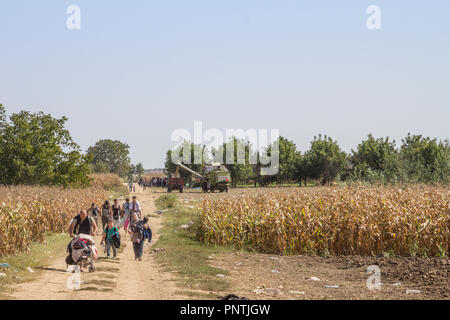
x=215, y=177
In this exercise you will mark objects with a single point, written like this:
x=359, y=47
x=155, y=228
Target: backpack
x=105, y=212
x=94, y=211
x=116, y=239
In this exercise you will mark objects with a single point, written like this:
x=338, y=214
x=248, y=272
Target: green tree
x=301, y=168
x=325, y=159
x=240, y=168
x=110, y=156
x=287, y=160
x=424, y=159
x=131, y=173
x=36, y=149
x=375, y=159
x=170, y=167
x=140, y=170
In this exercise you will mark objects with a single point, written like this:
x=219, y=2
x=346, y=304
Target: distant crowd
x=153, y=182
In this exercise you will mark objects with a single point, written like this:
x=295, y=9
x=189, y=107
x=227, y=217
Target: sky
x=138, y=70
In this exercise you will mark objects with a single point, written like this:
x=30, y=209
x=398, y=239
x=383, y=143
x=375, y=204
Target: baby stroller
x=82, y=252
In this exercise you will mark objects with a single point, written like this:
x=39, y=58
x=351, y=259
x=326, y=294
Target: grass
x=166, y=201
x=38, y=257
x=184, y=254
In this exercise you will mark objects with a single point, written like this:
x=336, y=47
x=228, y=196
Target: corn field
x=27, y=213
x=408, y=221
x=105, y=180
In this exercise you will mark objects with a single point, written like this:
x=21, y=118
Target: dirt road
x=123, y=278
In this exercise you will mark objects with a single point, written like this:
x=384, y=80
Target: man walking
x=126, y=213
x=94, y=212
x=136, y=208
x=82, y=224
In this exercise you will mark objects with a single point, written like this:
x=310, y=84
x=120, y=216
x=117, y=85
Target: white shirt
x=135, y=207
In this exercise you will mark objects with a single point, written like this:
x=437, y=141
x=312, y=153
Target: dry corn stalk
x=349, y=220
x=27, y=213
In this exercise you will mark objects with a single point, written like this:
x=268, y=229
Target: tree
x=36, y=149
x=140, y=170
x=131, y=173
x=425, y=160
x=240, y=169
x=111, y=156
x=170, y=167
x=287, y=159
x=376, y=159
x=325, y=159
x=301, y=168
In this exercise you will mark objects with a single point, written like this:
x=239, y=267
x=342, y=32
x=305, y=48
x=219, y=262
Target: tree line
x=37, y=149
x=418, y=159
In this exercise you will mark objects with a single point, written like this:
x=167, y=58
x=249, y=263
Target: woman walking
x=116, y=213
x=126, y=214
x=137, y=236
x=106, y=214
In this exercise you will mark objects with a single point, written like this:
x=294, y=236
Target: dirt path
x=123, y=278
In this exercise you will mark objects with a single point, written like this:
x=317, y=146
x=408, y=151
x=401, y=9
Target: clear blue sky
x=304, y=67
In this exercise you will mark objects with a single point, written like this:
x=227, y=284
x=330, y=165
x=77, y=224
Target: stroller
x=82, y=252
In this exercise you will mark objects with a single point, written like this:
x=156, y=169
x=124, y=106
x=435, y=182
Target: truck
x=215, y=177
x=176, y=182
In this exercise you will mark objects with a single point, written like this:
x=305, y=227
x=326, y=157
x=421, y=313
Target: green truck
x=215, y=177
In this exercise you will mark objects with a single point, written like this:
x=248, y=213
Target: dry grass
x=407, y=221
x=105, y=180
x=27, y=213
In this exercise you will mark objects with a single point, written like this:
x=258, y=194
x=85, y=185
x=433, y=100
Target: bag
x=105, y=213
x=138, y=231
x=94, y=212
x=116, y=240
x=69, y=260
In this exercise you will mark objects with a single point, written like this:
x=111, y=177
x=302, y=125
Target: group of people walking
x=153, y=182
x=113, y=217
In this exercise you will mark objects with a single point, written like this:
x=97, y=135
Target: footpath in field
x=121, y=278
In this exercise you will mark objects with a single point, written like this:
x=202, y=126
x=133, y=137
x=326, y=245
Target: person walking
x=147, y=230
x=106, y=214
x=94, y=212
x=107, y=238
x=136, y=232
x=126, y=206
x=82, y=224
x=116, y=210
x=136, y=207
